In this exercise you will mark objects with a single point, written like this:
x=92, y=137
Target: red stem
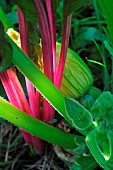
x=22, y=29
x=34, y=102
x=23, y=103
x=63, y=52
x=34, y=98
x=47, y=52
x=46, y=39
x=51, y=17
x=9, y=89
x=15, y=95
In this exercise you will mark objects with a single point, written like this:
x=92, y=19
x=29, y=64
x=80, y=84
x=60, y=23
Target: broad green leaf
x=110, y=138
x=90, y=34
x=102, y=109
x=12, y=16
x=79, y=140
x=73, y=5
x=103, y=142
x=80, y=150
x=80, y=117
x=107, y=8
x=75, y=166
x=89, y=98
x=84, y=163
x=88, y=162
x=28, y=9
x=87, y=101
x=34, y=126
x=92, y=144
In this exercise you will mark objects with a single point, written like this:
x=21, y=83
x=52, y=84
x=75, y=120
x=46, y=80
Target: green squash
x=77, y=77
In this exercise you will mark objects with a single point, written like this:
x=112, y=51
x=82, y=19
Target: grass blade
x=34, y=126
x=107, y=8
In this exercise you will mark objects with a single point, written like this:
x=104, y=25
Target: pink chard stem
x=51, y=17
x=15, y=95
x=34, y=98
x=34, y=103
x=47, y=52
x=63, y=52
x=23, y=103
x=46, y=39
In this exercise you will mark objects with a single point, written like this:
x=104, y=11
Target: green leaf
x=80, y=117
x=80, y=150
x=79, y=140
x=87, y=34
x=73, y=5
x=103, y=142
x=110, y=138
x=6, y=51
x=109, y=48
x=89, y=98
x=107, y=8
x=5, y=20
x=35, y=127
x=13, y=17
x=92, y=144
x=84, y=163
x=102, y=109
x=91, y=34
x=76, y=166
x=6, y=54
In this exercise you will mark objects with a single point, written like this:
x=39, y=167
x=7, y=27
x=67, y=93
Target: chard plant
x=49, y=74
x=44, y=57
